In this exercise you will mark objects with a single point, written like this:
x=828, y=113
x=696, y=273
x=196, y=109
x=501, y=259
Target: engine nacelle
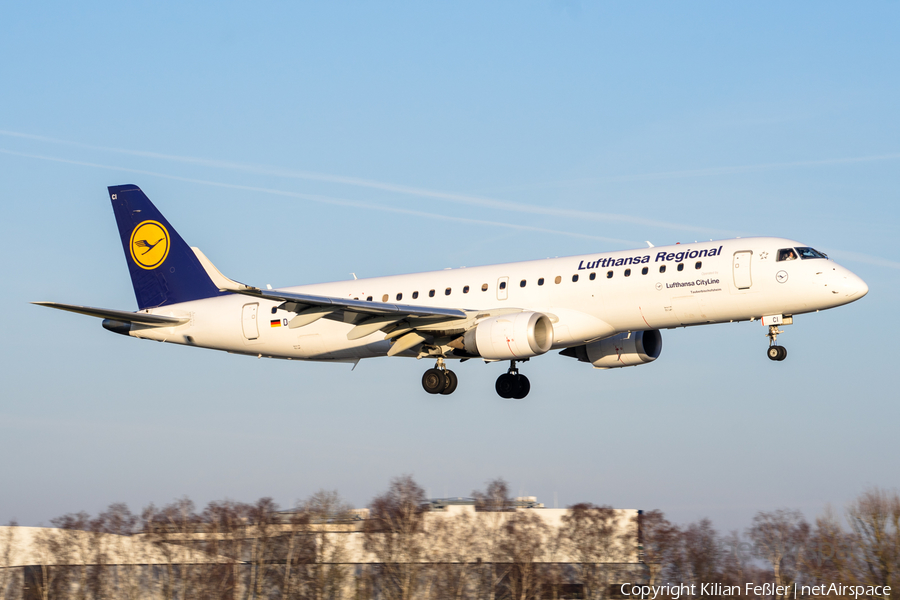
x=510, y=337
x=622, y=350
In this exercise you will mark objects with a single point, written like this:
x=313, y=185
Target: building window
x=431, y=293
x=662, y=268
x=466, y=290
x=541, y=281
x=681, y=266
x=609, y=274
x=522, y=283
x=399, y=297
x=698, y=264
x=593, y=276
x=627, y=272
x=558, y=279
x=415, y=295
x=645, y=270
x=574, y=277
x=502, y=285
x=384, y=298
x=447, y=292
x=483, y=287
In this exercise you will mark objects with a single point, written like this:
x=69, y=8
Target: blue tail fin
x=164, y=270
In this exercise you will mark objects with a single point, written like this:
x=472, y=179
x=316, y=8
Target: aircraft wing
x=406, y=325
x=362, y=307
x=119, y=315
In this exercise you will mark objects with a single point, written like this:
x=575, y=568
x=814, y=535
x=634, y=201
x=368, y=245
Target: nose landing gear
x=440, y=379
x=512, y=384
x=775, y=352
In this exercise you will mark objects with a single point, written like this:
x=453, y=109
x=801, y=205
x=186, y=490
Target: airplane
x=605, y=309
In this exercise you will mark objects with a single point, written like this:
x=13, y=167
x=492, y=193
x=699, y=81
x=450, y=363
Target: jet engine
x=622, y=350
x=510, y=337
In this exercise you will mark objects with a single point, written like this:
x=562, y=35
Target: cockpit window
x=787, y=254
x=810, y=253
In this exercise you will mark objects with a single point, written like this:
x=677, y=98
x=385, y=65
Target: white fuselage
x=719, y=282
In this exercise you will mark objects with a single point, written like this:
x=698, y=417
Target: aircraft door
x=741, y=269
x=502, y=288
x=249, y=321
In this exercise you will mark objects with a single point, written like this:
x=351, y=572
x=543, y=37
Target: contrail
x=499, y=204
x=326, y=199
x=480, y=201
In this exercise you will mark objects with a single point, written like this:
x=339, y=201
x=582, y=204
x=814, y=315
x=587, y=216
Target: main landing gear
x=512, y=384
x=440, y=379
x=775, y=352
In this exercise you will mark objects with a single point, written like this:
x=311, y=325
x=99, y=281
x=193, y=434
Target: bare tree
x=523, y=548
x=225, y=526
x=453, y=545
x=660, y=543
x=393, y=534
x=592, y=536
x=875, y=523
x=492, y=507
x=326, y=549
x=699, y=556
x=778, y=537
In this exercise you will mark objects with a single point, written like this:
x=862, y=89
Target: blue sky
x=299, y=142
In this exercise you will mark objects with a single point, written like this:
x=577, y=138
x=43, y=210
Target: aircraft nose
x=854, y=287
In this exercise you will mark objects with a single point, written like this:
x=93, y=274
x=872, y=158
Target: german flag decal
x=275, y=322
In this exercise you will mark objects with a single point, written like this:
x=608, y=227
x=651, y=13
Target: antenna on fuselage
x=649, y=245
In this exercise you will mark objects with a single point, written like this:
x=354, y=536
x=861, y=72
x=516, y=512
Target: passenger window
x=415, y=295
x=681, y=266
x=502, y=285
x=399, y=296
x=541, y=281
x=558, y=279
x=627, y=272
x=698, y=264
x=593, y=276
x=645, y=270
x=368, y=298
x=274, y=309
x=484, y=287
x=662, y=268
x=466, y=290
x=522, y=283
x=609, y=274
x=431, y=293
x=384, y=298
x=574, y=277
x=447, y=292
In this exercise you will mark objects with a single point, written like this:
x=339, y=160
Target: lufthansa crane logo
x=149, y=244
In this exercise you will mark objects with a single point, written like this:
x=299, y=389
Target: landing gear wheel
x=434, y=381
x=777, y=353
x=523, y=386
x=506, y=385
x=450, y=382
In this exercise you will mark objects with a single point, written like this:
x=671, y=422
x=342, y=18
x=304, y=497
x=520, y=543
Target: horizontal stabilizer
x=119, y=315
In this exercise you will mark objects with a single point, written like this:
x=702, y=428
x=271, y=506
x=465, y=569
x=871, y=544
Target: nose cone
x=854, y=287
